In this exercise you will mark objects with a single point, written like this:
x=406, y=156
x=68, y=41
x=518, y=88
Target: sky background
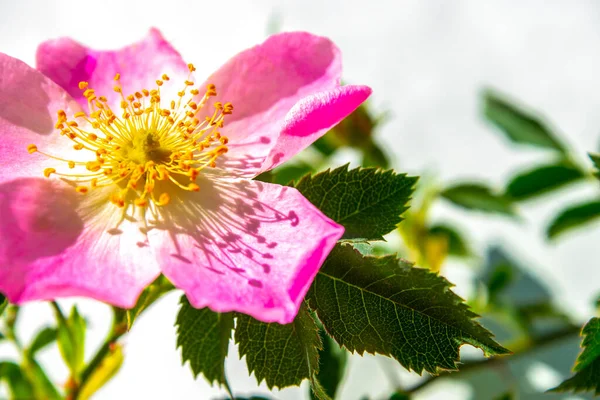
x=427, y=62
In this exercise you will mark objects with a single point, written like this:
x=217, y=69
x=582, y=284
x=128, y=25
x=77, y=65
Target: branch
x=531, y=346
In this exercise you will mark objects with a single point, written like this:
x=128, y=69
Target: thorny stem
x=530, y=347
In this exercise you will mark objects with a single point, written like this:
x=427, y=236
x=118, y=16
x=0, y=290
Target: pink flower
x=107, y=181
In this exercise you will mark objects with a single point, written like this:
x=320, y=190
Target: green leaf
x=105, y=372
x=282, y=355
x=203, y=336
x=573, y=217
x=596, y=160
x=3, y=303
x=384, y=305
x=41, y=384
x=519, y=125
x=290, y=172
x=71, y=339
x=367, y=202
x=152, y=293
x=42, y=339
x=332, y=365
x=540, y=180
x=474, y=196
x=19, y=386
x=587, y=366
x=456, y=244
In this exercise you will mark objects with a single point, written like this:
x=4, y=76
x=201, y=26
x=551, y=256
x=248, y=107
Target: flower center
x=144, y=145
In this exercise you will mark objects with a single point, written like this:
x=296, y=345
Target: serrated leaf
x=290, y=172
x=105, y=372
x=332, y=365
x=42, y=339
x=474, y=196
x=281, y=355
x=457, y=246
x=519, y=125
x=203, y=336
x=541, y=180
x=384, y=305
x=573, y=217
x=587, y=366
x=367, y=202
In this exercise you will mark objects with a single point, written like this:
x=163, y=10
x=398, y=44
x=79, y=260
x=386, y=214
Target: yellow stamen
x=143, y=146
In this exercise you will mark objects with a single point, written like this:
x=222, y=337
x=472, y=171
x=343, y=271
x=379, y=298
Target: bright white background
x=426, y=62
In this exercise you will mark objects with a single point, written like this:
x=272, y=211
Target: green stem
x=119, y=328
x=527, y=348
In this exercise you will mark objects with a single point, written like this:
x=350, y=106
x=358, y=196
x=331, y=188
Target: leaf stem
x=530, y=347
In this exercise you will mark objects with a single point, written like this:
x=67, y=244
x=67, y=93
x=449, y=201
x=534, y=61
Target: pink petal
x=311, y=118
x=68, y=62
x=263, y=83
x=247, y=246
x=57, y=243
x=28, y=105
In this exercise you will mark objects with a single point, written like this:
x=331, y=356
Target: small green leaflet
x=519, y=125
x=282, y=355
x=540, y=180
x=475, y=196
x=384, y=305
x=203, y=336
x=587, y=366
x=573, y=217
x=367, y=202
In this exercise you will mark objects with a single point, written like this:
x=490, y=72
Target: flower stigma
x=147, y=149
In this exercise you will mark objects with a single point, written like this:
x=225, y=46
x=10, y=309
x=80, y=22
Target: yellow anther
x=164, y=199
x=117, y=88
x=159, y=82
x=93, y=166
x=211, y=90
x=165, y=77
x=71, y=164
x=193, y=187
x=83, y=85
x=32, y=148
x=94, y=183
x=93, y=137
x=145, y=92
x=227, y=108
x=73, y=124
x=88, y=93
x=48, y=172
x=117, y=77
x=78, y=146
x=189, y=83
x=165, y=113
x=194, y=92
x=79, y=114
x=81, y=189
x=191, y=67
x=140, y=202
x=130, y=97
x=118, y=200
x=224, y=140
x=102, y=99
x=138, y=95
x=59, y=125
